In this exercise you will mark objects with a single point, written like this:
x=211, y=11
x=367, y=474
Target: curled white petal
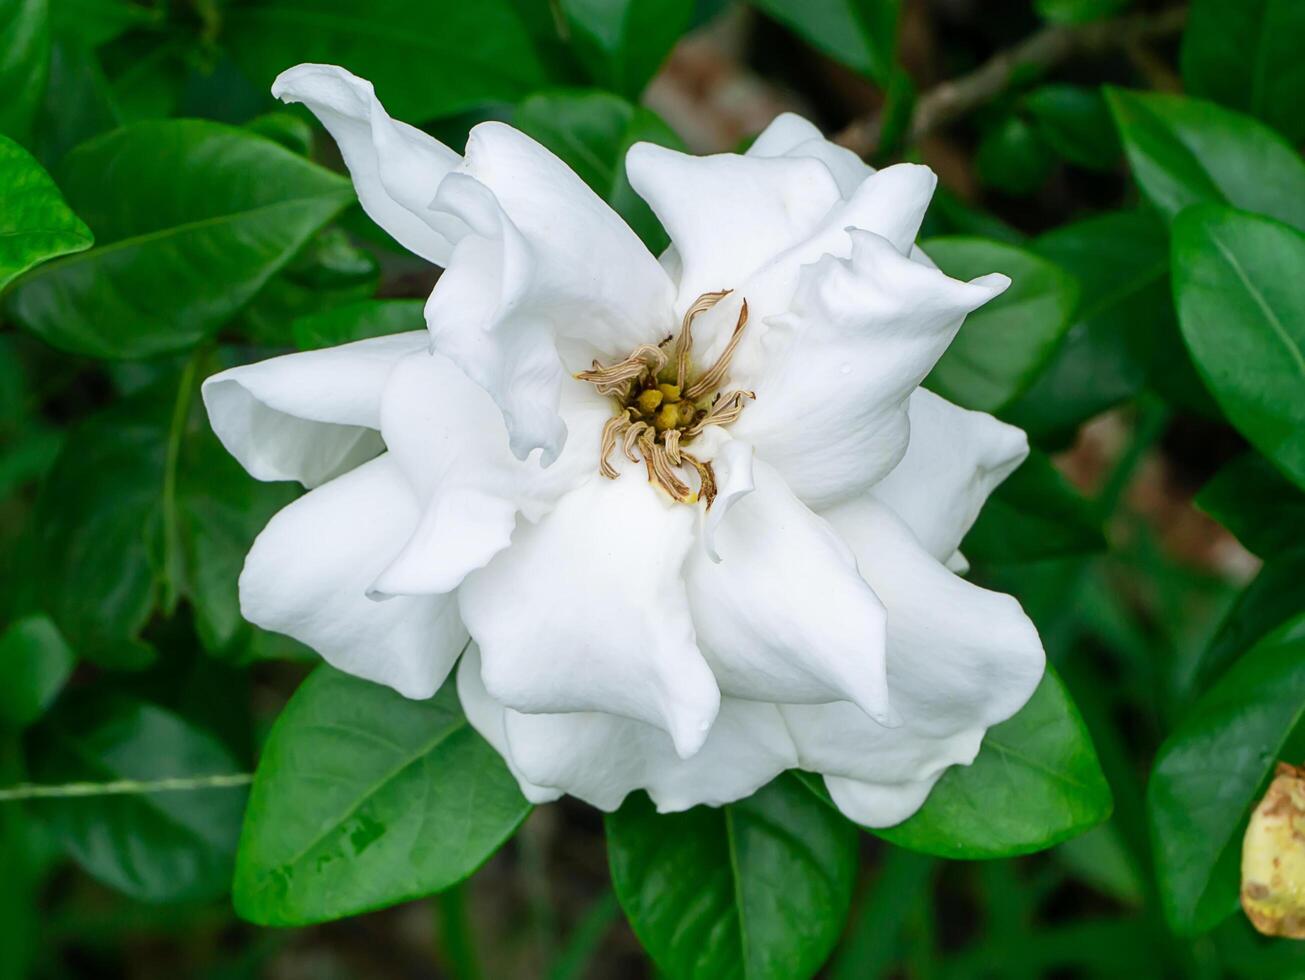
x=789, y=135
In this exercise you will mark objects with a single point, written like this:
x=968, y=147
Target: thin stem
x=459, y=943
x=123, y=787
x=1033, y=56
x=176, y=432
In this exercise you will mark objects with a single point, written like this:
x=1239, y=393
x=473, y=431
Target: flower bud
x=1273, y=858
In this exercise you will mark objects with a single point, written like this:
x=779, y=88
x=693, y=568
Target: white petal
x=734, y=481
x=486, y=717
x=862, y=333
x=601, y=758
x=545, y=279
x=448, y=438
x=789, y=135
x=960, y=659
x=587, y=612
x=728, y=215
x=396, y=168
x=308, y=416
x=954, y=460
x=785, y=616
x=308, y=572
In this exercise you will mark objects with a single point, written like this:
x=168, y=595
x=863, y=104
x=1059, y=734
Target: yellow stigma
x=657, y=417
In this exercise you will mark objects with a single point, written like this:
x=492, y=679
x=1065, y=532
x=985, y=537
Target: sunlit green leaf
x=35, y=223
x=1211, y=770
x=1036, y=782
x=755, y=889
x=1242, y=311
x=364, y=798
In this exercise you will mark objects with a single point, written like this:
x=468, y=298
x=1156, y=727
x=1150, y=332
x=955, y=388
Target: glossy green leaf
x=1125, y=317
x=624, y=42
x=1245, y=54
x=364, y=798
x=24, y=65
x=1002, y=346
x=1078, y=11
x=35, y=661
x=1187, y=151
x=1036, y=782
x=1034, y=514
x=1212, y=769
x=35, y=223
x=1242, y=312
x=861, y=34
x=755, y=889
x=425, y=62
x=191, y=219
x=155, y=847
x=358, y=321
x=592, y=131
x=1075, y=121
x=1253, y=500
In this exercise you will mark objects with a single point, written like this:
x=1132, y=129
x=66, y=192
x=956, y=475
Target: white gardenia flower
x=695, y=514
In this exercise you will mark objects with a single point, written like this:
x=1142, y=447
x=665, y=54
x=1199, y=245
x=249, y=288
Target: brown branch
x=1032, y=57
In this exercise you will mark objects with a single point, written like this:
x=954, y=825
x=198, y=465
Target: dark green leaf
x=624, y=42
x=24, y=64
x=1013, y=157
x=1076, y=122
x=191, y=219
x=364, y=798
x=592, y=131
x=35, y=662
x=1242, y=311
x=1036, y=782
x=1003, y=345
x=1034, y=514
x=1211, y=770
x=358, y=321
x=755, y=889
x=1078, y=11
x=1253, y=500
x=156, y=847
x=1246, y=55
x=1186, y=151
x=862, y=34
x=78, y=103
x=95, y=22
x=1125, y=316
x=35, y=223
x=425, y=63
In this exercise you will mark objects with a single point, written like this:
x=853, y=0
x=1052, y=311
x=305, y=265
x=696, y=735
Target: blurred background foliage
x=1133, y=165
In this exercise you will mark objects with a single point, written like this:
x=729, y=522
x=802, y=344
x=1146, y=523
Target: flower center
x=662, y=406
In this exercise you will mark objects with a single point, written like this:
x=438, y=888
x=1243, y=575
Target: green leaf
x=861, y=34
x=1075, y=121
x=623, y=42
x=95, y=22
x=1253, y=501
x=591, y=132
x=155, y=847
x=1078, y=11
x=1186, y=151
x=1013, y=157
x=1036, y=782
x=1242, y=312
x=364, y=798
x=1212, y=769
x=424, y=63
x=1246, y=55
x=35, y=661
x=1002, y=346
x=1034, y=514
x=358, y=321
x=1125, y=317
x=191, y=219
x=24, y=64
x=754, y=889
x=35, y=223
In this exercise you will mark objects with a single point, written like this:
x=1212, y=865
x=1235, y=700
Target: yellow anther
x=649, y=399
x=669, y=392
x=687, y=411
x=667, y=417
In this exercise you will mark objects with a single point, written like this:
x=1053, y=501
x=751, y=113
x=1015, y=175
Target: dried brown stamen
x=661, y=407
